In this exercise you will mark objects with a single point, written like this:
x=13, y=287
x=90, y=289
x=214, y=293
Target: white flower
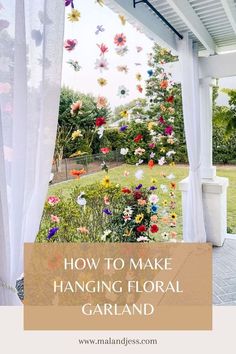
x=101, y=64
x=152, y=132
x=138, y=120
x=124, y=151
x=164, y=188
x=101, y=131
x=171, y=176
x=122, y=92
x=153, y=199
x=162, y=161
x=173, y=240
x=171, y=119
x=81, y=200
x=128, y=211
x=170, y=153
x=165, y=236
x=139, y=162
x=139, y=174
x=122, y=51
x=142, y=239
x=139, y=151
x=105, y=234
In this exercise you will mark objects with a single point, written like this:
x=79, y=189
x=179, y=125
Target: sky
x=86, y=52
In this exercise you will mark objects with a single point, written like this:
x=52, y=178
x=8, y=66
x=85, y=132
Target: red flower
x=138, y=138
x=126, y=190
x=77, y=173
x=170, y=99
x=137, y=195
x=100, y=121
x=169, y=130
x=105, y=150
x=154, y=228
x=120, y=40
x=139, y=88
x=141, y=228
x=151, y=163
x=103, y=48
x=162, y=120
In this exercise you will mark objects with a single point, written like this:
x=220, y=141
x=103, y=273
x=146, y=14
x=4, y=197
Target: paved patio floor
x=224, y=273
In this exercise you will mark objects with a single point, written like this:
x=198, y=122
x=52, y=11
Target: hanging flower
x=121, y=51
x=75, y=107
x=122, y=91
x=74, y=16
x=100, y=121
x=153, y=199
x=154, y=228
x=103, y=48
x=139, y=174
x=120, y=40
x=101, y=102
x=76, y=134
x=52, y=232
x=151, y=163
x=55, y=218
x=138, y=77
x=124, y=151
x=52, y=200
x=164, y=84
x=70, y=44
x=101, y=64
x=123, y=68
x=83, y=230
x=102, y=82
x=124, y=114
x=106, y=182
x=78, y=173
x=139, y=218
x=139, y=88
x=138, y=138
x=123, y=128
x=107, y=211
x=141, y=228
x=105, y=150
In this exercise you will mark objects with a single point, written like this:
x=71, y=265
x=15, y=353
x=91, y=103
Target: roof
x=210, y=23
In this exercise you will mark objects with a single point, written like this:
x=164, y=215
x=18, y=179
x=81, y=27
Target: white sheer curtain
x=31, y=46
x=193, y=228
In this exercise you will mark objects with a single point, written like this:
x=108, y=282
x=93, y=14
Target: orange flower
x=120, y=40
x=83, y=230
x=151, y=163
x=164, y=84
x=154, y=218
x=165, y=219
x=142, y=202
x=77, y=173
x=173, y=185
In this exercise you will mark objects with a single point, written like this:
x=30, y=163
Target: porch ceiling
x=210, y=23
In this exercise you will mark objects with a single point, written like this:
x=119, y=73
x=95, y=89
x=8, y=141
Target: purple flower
x=107, y=212
x=139, y=187
x=152, y=188
x=69, y=2
x=123, y=128
x=52, y=232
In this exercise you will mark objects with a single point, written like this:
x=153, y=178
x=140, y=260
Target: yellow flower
x=172, y=163
x=138, y=77
x=106, y=182
x=165, y=203
x=139, y=218
x=150, y=125
x=163, y=149
x=173, y=216
x=102, y=82
x=154, y=180
x=76, y=134
x=74, y=16
x=124, y=114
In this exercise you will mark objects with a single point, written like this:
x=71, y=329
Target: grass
x=180, y=171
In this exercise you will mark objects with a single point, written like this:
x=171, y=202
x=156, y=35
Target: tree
x=227, y=115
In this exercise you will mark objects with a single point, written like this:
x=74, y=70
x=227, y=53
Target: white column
x=207, y=169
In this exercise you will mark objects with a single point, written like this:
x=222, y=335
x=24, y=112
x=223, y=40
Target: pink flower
x=106, y=200
x=55, y=218
x=101, y=102
x=169, y=130
x=103, y=48
x=52, y=200
x=101, y=64
x=105, y=150
x=70, y=44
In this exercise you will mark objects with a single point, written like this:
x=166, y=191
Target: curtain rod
x=135, y=2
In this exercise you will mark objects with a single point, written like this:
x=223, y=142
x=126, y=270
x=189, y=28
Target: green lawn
x=116, y=175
